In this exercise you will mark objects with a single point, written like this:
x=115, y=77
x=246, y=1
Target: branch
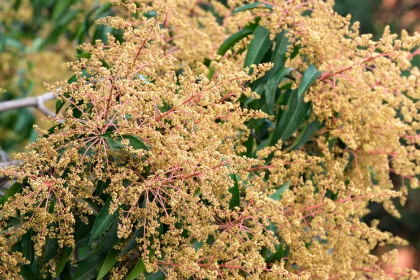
x=37, y=102
x=10, y=163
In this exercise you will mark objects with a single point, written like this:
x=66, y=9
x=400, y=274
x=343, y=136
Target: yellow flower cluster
x=164, y=141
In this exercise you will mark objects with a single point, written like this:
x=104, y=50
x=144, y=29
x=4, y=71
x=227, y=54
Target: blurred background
x=38, y=36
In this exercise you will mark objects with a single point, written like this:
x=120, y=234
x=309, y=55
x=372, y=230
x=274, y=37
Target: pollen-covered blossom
x=143, y=126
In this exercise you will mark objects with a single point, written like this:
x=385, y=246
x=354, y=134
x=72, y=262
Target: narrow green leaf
x=51, y=248
x=252, y=6
x=87, y=270
x=279, y=54
x=95, y=208
x=113, y=144
x=156, y=276
x=271, y=88
x=234, y=201
x=108, y=264
x=136, y=271
x=232, y=40
x=15, y=188
x=12, y=221
x=135, y=142
x=277, y=255
x=133, y=242
x=277, y=195
x=309, y=77
x=306, y=133
x=108, y=243
x=27, y=246
x=259, y=45
x=291, y=118
x=261, y=146
x=84, y=55
x=61, y=261
x=27, y=273
x=103, y=221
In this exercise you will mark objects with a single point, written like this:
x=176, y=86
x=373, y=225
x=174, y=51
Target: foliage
x=230, y=141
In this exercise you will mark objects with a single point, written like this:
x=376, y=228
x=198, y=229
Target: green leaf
x=61, y=261
x=261, y=146
x=156, y=276
x=232, y=40
x=27, y=246
x=108, y=243
x=259, y=45
x=277, y=255
x=297, y=109
x=252, y=6
x=51, y=248
x=234, y=201
x=84, y=55
x=103, y=221
x=271, y=88
x=60, y=103
x=108, y=264
x=27, y=273
x=137, y=270
x=12, y=221
x=14, y=189
x=87, y=270
x=279, y=54
x=95, y=208
x=309, y=77
x=277, y=195
x=135, y=142
x=133, y=242
x=291, y=118
x=306, y=133
x=115, y=144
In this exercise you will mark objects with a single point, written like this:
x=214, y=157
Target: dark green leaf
x=133, y=242
x=135, y=142
x=27, y=273
x=252, y=6
x=156, y=276
x=15, y=188
x=279, y=54
x=62, y=261
x=232, y=40
x=259, y=45
x=108, y=264
x=12, y=221
x=276, y=256
x=87, y=271
x=84, y=55
x=297, y=109
x=113, y=144
x=306, y=133
x=277, y=195
x=27, y=246
x=108, y=243
x=103, y=221
x=138, y=270
x=291, y=118
x=51, y=248
x=234, y=201
x=271, y=88
x=309, y=77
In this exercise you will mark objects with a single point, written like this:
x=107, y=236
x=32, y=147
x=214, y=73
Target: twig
x=37, y=102
x=10, y=163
